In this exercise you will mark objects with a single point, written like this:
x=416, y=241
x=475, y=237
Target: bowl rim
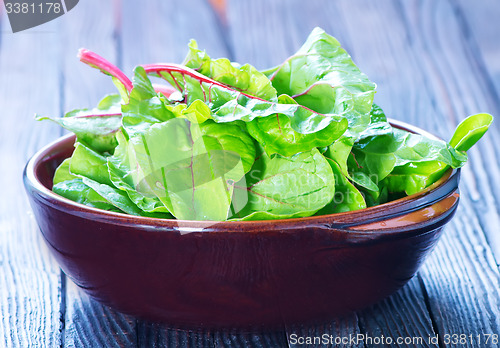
x=442, y=188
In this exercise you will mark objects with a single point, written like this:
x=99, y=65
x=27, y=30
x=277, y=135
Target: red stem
x=183, y=70
x=98, y=62
x=164, y=89
x=98, y=115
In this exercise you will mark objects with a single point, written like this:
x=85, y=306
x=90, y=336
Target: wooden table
x=435, y=62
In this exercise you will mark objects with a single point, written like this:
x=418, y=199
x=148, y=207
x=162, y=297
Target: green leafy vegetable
x=224, y=141
x=470, y=130
x=285, y=187
x=97, y=127
x=322, y=76
x=79, y=192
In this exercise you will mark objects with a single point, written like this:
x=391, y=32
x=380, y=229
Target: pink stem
x=164, y=89
x=98, y=62
x=98, y=115
x=183, y=70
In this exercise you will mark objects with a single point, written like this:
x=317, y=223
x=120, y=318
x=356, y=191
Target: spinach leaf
x=470, y=130
x=285, y=187
x=277, y=135
x=96, y=127
x=186, y=165
x=422, y=161
x=79, y=192
x=145, y=106
x=123, y=177
x=323, y=77
x=243, y=78
x=347, y=197
x=228, y=104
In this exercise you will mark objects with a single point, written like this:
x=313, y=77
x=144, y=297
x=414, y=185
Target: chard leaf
x=186, y=165
x=367, y=169
x=62, y=172
x=96, y=127
x=232, y=137
x=243, y=78
x=114, y=196
x=347, y=197
x=339, y=152
x=276, y=134
x=366, y=165
x=409, y=161
x=96, y=61
x=145, y=107
x=285, y=187
x=228, y=104
x=91, y=168
x=79, y=192
x=413, y=148
x=88, y=163
x=323, y=77
x=470, y=130
x=414, y=177
x=424, y=163
x=122, y=176
x=378, y=127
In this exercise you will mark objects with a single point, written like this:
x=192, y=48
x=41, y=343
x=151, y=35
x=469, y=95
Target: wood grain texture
x=88, y=323
x=410, y=302
x=337, y=333
x=403, y=316
x=463, y=265
x=159, y=31
x=415, y=53
x=480, y=27
x=92, y=25
x=255, y=340
x=158, y=335
x=29, y=278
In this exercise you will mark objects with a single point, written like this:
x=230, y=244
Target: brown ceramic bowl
x=257, y=274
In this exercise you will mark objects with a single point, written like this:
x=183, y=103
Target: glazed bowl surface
x=249, y=274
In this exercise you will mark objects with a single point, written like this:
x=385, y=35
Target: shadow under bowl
x=247, y=275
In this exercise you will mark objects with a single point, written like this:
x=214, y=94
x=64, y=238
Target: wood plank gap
x=427, y=303
x=361, y=328
x=62, y=309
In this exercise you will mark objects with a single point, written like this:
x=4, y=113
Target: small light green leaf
x=470, y=130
